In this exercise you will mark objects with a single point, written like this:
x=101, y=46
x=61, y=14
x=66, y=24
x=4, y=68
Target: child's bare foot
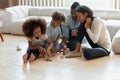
x=41, y=55
x=25, y=58
x=47, y=58
x=32, y=57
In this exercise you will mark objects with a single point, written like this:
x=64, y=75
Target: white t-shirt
x=40, y=41
x=99, y=34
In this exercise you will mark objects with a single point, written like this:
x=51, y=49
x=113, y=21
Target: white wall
x=94, y=4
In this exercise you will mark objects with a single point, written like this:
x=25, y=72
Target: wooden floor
x=12, y=67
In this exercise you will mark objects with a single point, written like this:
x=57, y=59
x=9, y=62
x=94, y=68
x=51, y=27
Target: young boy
x=53, y=29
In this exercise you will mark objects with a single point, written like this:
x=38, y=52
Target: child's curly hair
x=58, y=16
x=30, y=24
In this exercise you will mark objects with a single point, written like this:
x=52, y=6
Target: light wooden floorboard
x=12, y=67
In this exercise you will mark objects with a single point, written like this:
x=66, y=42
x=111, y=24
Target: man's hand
x=74, y=32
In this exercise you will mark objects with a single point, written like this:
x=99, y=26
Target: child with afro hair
x=34, y=30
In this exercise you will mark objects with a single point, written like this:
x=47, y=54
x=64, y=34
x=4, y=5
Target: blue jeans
x=96, y=50
x=35, y=52
x=71, y=44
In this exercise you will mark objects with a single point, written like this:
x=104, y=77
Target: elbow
x=95, y=41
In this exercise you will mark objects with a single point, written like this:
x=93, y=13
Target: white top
x=99, y=34
x=40, y=41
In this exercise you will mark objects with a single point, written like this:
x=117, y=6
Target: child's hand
x=48, y=52
x=42, y=50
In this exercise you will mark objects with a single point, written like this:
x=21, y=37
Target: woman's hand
x=88, y=23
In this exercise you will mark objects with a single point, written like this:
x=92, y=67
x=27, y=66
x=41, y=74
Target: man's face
x=73, y=14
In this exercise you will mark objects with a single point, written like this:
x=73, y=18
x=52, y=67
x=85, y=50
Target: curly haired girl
x=34, y=30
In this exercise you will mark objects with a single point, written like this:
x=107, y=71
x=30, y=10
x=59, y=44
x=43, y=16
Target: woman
x=95, y=31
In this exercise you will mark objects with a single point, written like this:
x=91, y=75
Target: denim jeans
x=35, y=53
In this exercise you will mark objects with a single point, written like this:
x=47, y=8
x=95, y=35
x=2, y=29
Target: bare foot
x=41, y=55
x=47, y=58
x=25, y=58
x=75, y=52
x=32, y=57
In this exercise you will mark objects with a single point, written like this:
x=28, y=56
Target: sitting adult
x=70, y=29
x=96, y=33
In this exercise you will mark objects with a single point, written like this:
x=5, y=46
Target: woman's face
x=37, y=32
x=81, y=17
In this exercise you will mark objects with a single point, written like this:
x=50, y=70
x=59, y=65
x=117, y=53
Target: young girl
x=96, y=33
x=34, y=30
x=53, y=29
